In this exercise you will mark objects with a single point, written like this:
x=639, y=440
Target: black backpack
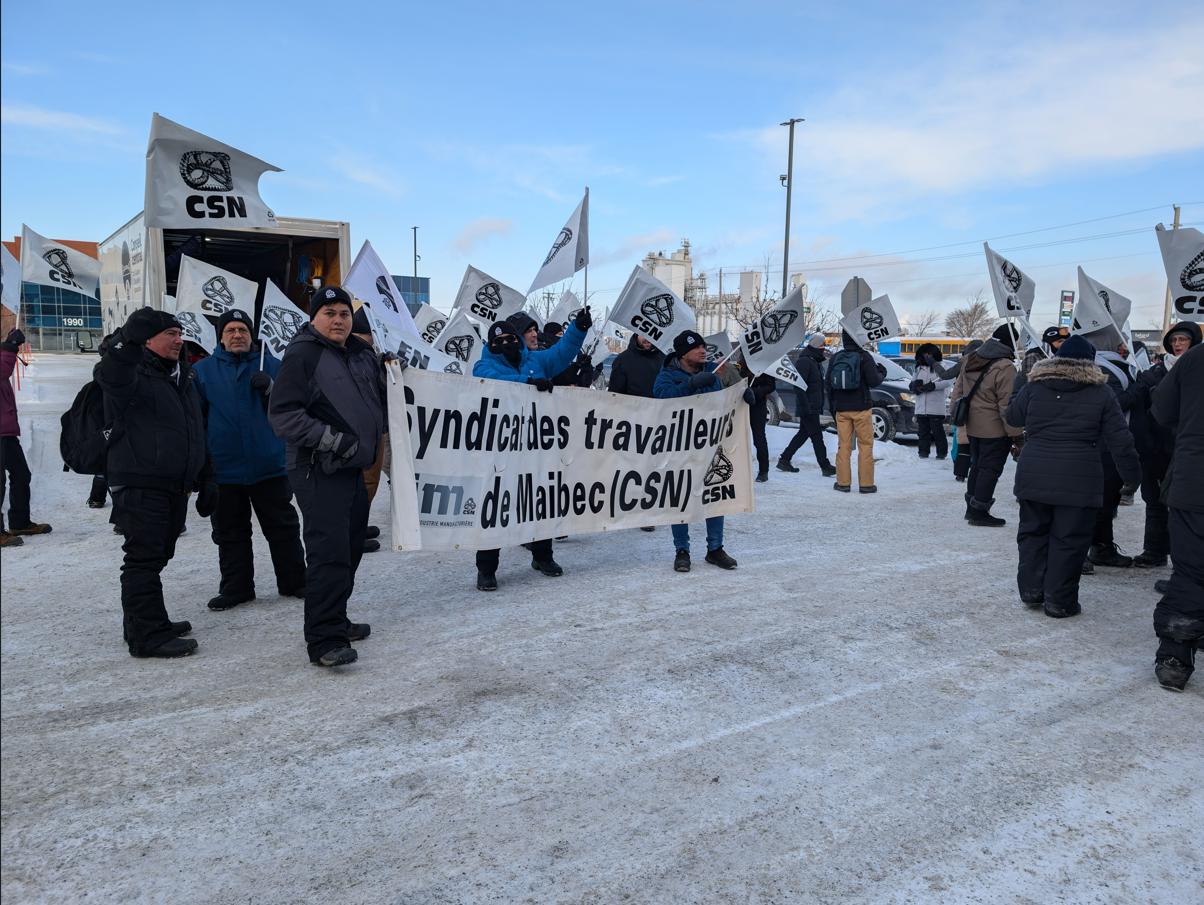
x=844, y=371
x=84, y=440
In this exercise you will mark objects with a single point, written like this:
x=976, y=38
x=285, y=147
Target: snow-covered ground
x=862, y=712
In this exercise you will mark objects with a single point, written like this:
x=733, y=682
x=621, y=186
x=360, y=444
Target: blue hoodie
x=546, y=363
x=674, y=381
x=244, y=448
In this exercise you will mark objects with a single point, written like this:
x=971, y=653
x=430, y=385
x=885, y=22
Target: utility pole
x=1166, y=311
x=415, y=288
x=788, y=181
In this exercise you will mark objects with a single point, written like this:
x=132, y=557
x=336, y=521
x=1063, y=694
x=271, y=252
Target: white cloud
x=24, y=68
x=360, y=169
x=58, y=120
x=479, y=230
x=556, y=172
x=631, y=250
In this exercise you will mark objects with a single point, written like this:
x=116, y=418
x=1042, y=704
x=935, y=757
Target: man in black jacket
x=635, y=368
x=327, y=404
x=156, y=456
x=852, y=372
x=809, y=405
x=1178, y=403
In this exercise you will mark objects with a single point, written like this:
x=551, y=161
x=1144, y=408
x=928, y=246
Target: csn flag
x=369, y=281
x=487, y=299
x=460, y=340
x=198, y=329
x=570, y=251
x=566, y=309
x=50, y=263
x=1014, y=289
x=1100, y=314
x=871, y=322
x=280, y=320
x=1183, y=256
x=767, y=340
x=718, y=346
x=649, y=307
x=211, y=290
x=10, y=281
x=194, y=181
x=429, y=322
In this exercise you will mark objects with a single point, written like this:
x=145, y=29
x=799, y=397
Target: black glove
x=702, y=379
x=749, y=396
x=1129, y=489
x=16, y=337
x=915, y=385
x=928, y=387
x=584, y=359
x=583, y=320
x=1017, y=446
x=206, y=500
x=261, y=383
x=336, y=449
x=141, y=326
x=540, y=383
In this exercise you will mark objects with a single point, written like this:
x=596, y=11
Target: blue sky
x=927, y=125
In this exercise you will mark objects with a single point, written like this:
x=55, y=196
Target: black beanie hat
x=685, y=341
x=232, y=314
x=1076, y=347
x=1006, y=335
x=163, y=320
x=329, y=295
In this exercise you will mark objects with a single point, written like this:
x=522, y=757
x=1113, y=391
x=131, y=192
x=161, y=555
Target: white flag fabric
x=649, y=307
x=719, y=346
x=767, y=340
x=10, y=281
x=213, y=291
x=570, y=250
x=169, y=303
x=460, y=340
x=1183, y=256
x=194, y=181
x=50, y=263
x=487, y=299
x=785, y=370
x=1100, y=314
x=426, y=357
x=369, y=281
x=429, y=322
x=1014, y=292
x=279, y=321
x=568, y=306
x=872, y=322
x=197, y=328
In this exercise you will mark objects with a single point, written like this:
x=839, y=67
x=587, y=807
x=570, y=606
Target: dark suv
x=893, y=412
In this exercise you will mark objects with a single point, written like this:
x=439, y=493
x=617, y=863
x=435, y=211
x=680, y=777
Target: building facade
x=55, y=319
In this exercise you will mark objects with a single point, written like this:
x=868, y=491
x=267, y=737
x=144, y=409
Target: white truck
x=139, y=266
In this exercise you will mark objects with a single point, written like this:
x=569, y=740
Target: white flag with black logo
x=196, y=182
x=10, y=281
x=369, y=281
x=568, y=306
x=1100, y=314
x=487, y=299
x=197, y=328
x=872, y=322
x=429, y=322
x=649, y=307
x=1183, y=256
x=718, y=346
x=570, y=250
x=1014, y=289
x=775, y=333
x=785, y=370
x=50, y=263
x=211, y=290
x=460, y=340
x=280, y=320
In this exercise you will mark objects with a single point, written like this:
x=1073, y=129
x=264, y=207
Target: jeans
x=681, y=535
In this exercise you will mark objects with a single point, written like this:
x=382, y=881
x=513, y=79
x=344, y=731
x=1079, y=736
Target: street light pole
x=789, y=184
x=414, y=289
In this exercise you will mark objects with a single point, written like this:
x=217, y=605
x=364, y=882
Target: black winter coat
x=1178, y=404
x=158, y=438
x=858, y=400
x=1068, y=413
x=809, y=363
x=634, y=370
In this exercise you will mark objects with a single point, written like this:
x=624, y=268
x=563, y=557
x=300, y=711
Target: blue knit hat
x=1076, y=347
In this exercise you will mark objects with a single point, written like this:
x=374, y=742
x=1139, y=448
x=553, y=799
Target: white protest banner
x=486, y=298
x=1183, y=257
x=196, y=182
x=872, y=322
x=649, y=307
x=718, y=346
x=10, y=281
x=460, y=340
x=429, y=322
x=1100, y=314
x=369, y=281
x=778, y=331
x=279, y=321
x=213, y=291
x=50, y=263
x=479, y=464
x=198, y=329
x=570, y=250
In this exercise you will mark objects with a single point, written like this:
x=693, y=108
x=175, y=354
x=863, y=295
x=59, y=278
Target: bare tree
x=920, y=324
x=973, y=320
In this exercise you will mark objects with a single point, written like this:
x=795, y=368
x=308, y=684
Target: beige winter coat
x=989, y=404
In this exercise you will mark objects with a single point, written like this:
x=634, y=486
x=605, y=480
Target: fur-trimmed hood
x=1075, y=370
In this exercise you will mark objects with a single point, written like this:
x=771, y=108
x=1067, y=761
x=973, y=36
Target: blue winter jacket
x=244, y=448
x=672, y=381
x=546, y=363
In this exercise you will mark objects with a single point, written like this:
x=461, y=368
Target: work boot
x=1147, y=560
x=1034, y=600
x=10, y=540
x=1062, y=611
x=548, y=567
x=183, y=627
x=843, y=488
x=681, y=562
x=371, y=532
x=718, y=557
x=763, y=477
x=229, y=601
x=486, y=581
x=1172, y=673
x=1109, y=555
x=31, y=528
x=173, y=647
x=358, y=631
x=868, y=488
x=1163, y=586
x=828, y=471
x=784, y=465
x=340, y=656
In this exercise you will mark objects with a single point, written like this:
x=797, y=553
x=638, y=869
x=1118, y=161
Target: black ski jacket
x=634, y=370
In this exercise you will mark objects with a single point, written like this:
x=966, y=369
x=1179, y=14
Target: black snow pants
x=987, y=457
x=1107, y=513
x=931, y=429
x=808, y=429
x=1053, y=542
x=1157, y=531
x=758, y=416
x=487, y=560
x=151, y=521
x=334, y=508
x=1179, y=615
x=14, y=472
x=272, y=501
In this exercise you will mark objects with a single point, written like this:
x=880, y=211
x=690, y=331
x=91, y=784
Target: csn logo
x=1191, y=306
x=487, y=300
x=209, y=171
x=717, y=482
x=654, y=315
x=60, y=268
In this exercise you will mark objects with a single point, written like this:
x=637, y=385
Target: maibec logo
x=716, y=483
x=565, y=237
x=60, y=267
x=209, y=171
x=775, y=324
x=218, y=296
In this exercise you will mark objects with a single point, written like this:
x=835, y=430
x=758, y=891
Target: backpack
x=84, y=440
x=844, y=370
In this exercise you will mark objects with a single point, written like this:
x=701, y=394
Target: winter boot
x=1173, y=673
x=486, y=581
x=1109, y=555
x=982, y=518
x=1087, y=568
x=548, y=567
x=868, y=488
x=718, y=557
x=340, y=656
x=1147, y=560
x=174, y=647
x=681, y=562
x=10, y=540
x=96, y=504
x=358, y=631
x=1034, y=600
x=1162, y=585
x=184, y=627
x=783, y=465
x=843, y=488
x=1062, y=611
x=371, y=545
x=31, y=528
x=372, y=532
x=762, y=477
x=229, y=601
x=828, y=471
x=648, y=528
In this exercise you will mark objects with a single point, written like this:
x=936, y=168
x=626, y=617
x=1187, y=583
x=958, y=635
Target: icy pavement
x=862, y=712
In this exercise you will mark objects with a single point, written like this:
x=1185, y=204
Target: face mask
x=512, y=354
